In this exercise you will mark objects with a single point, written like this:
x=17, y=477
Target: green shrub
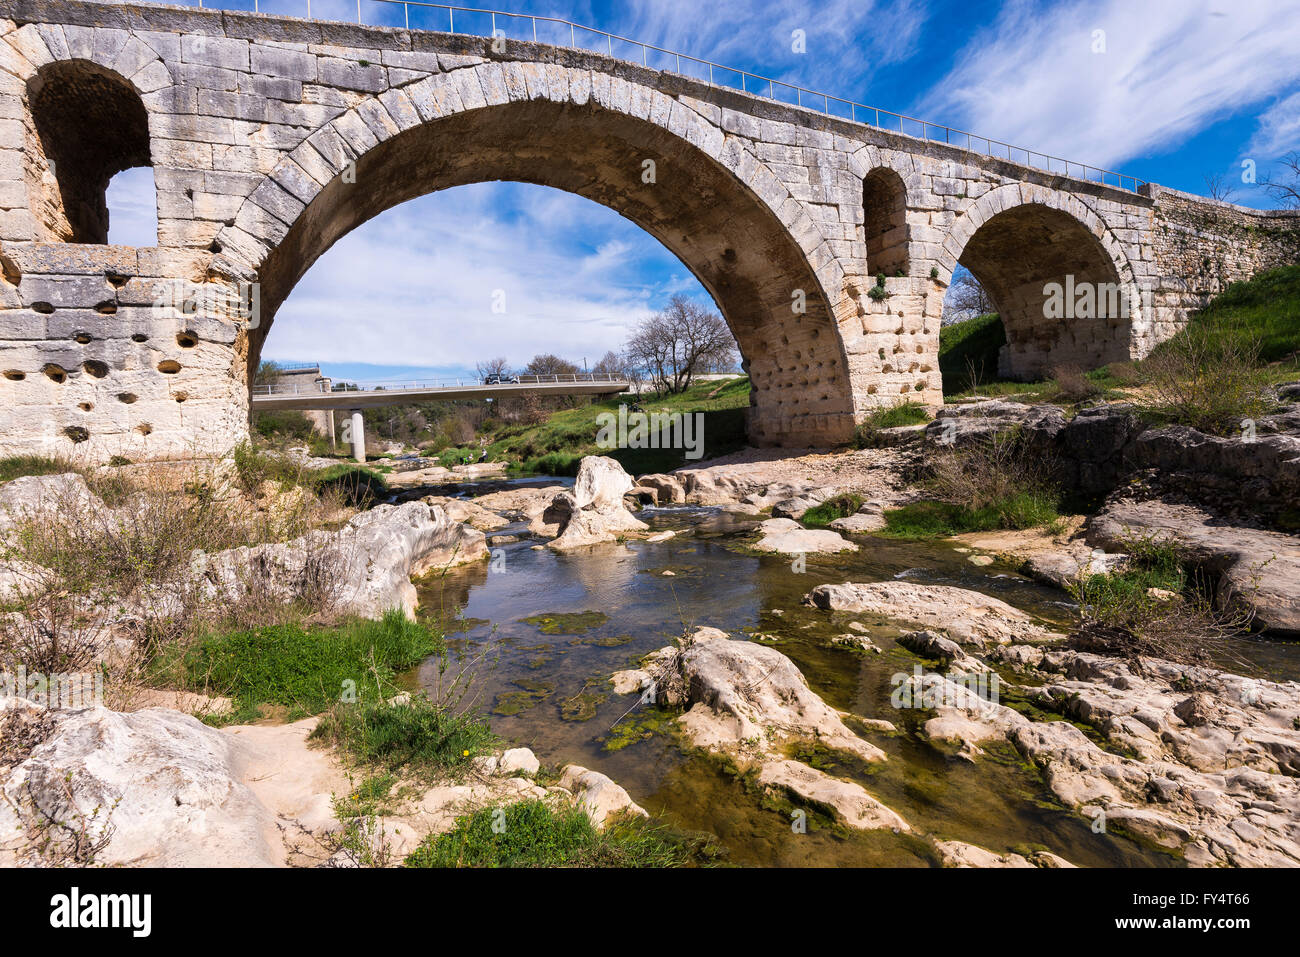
x=354, y=485
x=535, y=834
x=1206, y=378
x=839, y=506
x=1153, y=607
x=417, y=736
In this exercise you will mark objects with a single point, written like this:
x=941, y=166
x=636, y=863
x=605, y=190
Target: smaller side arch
x=90, y=124
x=1057, y=275
x=884, y=217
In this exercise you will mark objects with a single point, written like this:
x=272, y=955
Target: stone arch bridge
x=827, y=244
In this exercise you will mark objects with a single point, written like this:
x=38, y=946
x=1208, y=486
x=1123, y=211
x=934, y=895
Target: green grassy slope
x=558, y=444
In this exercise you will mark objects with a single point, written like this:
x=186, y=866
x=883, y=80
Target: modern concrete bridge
x=356, y=401
x=826, y=242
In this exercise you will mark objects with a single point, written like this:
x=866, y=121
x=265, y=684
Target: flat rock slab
x=965, y=616
x=788, y=537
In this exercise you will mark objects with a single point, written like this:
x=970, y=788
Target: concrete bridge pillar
x=358, y=436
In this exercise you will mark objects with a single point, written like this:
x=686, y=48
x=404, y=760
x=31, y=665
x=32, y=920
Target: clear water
x=547, y=691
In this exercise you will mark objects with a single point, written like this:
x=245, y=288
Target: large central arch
x=724, y=232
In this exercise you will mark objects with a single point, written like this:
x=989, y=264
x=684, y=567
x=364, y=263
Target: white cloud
x=1279, y=130
x=417, y=285
x=132, y=208
x=1170, y=68
x=846, y=39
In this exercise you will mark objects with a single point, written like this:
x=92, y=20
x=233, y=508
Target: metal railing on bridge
x=466, y=382
x=559, y=32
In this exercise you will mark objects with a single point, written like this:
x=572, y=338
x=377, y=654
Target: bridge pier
x=358, y=436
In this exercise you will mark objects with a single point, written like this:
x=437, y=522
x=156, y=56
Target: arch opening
x=1060, y=296
x=737, y=248
x=90, y=125
x=884, y=211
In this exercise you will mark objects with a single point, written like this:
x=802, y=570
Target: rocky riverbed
x=683, y=645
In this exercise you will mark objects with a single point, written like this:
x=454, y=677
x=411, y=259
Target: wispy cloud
x=1167, y=69
x=1279, y=129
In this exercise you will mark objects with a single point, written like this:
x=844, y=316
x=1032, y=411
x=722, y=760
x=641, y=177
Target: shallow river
x=600, y=609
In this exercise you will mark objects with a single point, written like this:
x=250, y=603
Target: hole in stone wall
x=126, y=397
x=13, y=375
x=90, y=125
x=95, y=368
x=76, y=433
x=54, y=372
x=81, y=337
x=215, y=247
x=144, y=428
x=44, y=308
x=85, y=406
x=169, y=367
x=10, y=271
x=181, y=396
x=106, y=308
x=187, y=340
x=116, y=280
x=139, y=337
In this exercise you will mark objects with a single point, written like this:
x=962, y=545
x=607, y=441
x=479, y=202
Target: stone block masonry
x=827, y=245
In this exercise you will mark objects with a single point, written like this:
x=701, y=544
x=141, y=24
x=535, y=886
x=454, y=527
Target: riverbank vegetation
x=539, y=834
x=986, y=485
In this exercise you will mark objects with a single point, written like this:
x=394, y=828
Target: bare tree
x=498, y=366
x=1287, y=189
x=611, y=363
x=966, y=299
x=1218, y=186
x=673, y=346
x=548, y=364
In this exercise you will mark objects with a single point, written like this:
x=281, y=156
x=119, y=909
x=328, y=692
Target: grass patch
x=926, y=520
x=417, y=736
x=994, y=483
x=17, y=466
x=1263, y=312
x=300, y=669
x=906, y=413
x=838, y=506
x=968, y=351
x=556, y=445
x=535, y=834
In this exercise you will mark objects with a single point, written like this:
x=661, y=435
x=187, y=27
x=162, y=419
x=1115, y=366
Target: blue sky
x=1166, y=90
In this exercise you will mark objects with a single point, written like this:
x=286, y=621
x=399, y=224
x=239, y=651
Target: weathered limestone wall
x=270, y=138
x=1203, y=245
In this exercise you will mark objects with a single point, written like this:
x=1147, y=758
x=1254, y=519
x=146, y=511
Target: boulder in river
x=368, y=563
x=594, y=512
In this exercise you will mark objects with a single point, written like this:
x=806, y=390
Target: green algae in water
x=610, y=642
x=638, y=726
x=517, y=702
x=567, y=623
x=583, y=705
